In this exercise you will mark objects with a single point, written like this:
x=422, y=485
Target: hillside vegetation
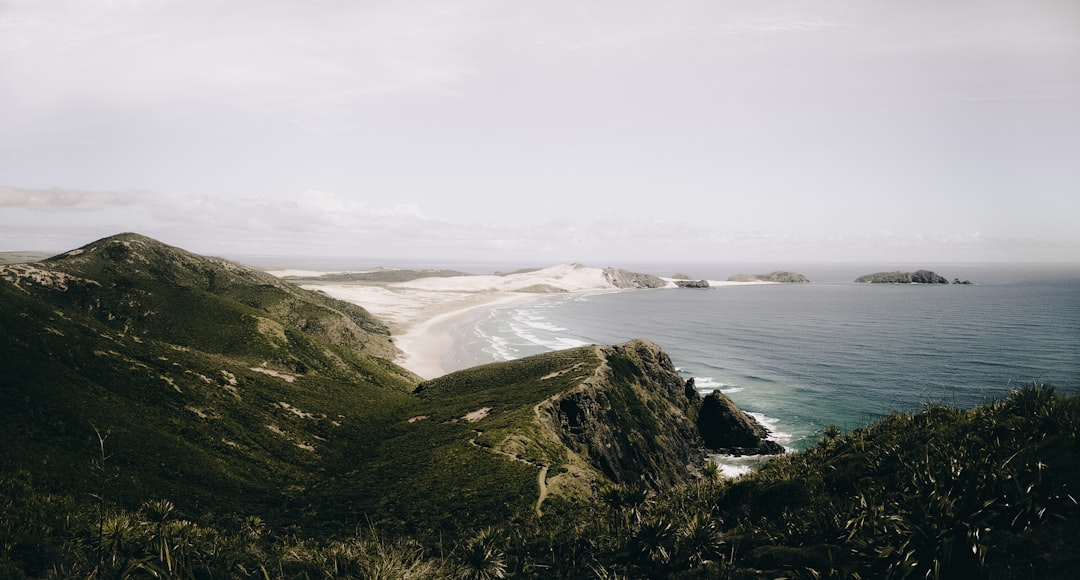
x=217, y=386
x=135, y=370
x=176, y=416
x=944, y=493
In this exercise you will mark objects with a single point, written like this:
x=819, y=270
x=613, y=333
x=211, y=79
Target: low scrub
x=989, y=492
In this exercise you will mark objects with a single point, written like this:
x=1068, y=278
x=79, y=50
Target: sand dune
x=421, y=312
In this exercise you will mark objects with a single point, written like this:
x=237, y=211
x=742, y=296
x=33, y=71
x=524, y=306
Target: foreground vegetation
x=176, y=416
x=944, y=493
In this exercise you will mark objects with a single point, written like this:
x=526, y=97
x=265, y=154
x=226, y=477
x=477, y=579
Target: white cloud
x=310, y=213
x=61, y=200
x=319, y=222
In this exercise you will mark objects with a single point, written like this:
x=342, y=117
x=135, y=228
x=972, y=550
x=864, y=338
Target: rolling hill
x=227, y=390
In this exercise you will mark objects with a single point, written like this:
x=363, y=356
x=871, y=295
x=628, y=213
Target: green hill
x=232, y=393
x=170, y=415
x=224, y=388
x=172, y=295
x=218, y=386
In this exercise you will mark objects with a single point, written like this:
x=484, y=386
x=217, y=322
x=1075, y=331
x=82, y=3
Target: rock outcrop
x=727, y=429
x=692, y=283
x=632, y=420
x=779, y=276
x=917, y=277
x=625, y=279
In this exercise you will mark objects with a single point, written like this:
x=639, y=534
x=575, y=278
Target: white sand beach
x=422, y=312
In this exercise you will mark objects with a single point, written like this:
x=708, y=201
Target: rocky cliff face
x=624, y=279
x=631, y=419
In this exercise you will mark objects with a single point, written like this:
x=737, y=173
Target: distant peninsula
x=376, y=276
x=917, y=277
x=780, y=277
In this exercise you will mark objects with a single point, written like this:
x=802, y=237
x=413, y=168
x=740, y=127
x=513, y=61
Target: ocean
x=801, y=357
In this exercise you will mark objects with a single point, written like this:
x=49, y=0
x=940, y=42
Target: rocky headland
x=625, y=279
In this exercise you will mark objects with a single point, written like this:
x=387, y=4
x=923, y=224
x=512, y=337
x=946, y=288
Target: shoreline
x=425, y=345
x=422, y=322
x=423, y=314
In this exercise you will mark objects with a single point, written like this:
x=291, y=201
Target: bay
x=832, y=352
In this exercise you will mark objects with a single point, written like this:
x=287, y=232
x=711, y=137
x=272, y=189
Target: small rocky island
x=779, y=277
x=917, y=277
x=692, y=283
x=727, y=429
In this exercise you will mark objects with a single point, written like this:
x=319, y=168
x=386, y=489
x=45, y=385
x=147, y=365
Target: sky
x=594, y=132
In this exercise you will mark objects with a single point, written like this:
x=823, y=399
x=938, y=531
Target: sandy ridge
x=421, y=313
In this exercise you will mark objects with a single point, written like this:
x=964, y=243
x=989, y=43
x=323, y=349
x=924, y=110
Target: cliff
x=631, y=419
x=917, y=277
x=554, y=428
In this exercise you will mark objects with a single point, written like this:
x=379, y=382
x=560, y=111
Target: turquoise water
x=833, y=352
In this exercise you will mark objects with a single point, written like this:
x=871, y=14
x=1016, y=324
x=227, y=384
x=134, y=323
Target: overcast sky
x=552, y=131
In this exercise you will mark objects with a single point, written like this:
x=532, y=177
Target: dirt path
x=542, y=482
x=541, y=478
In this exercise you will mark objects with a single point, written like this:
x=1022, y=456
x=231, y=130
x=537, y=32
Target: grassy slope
x=188, y=424
x=161, y=350
x=155, y=347
x=945, y=493
x=439, y=472
x=163, y=290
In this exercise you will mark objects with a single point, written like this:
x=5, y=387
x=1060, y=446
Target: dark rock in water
x=727, y=429
x=779, y=276
x=917, y=277
x=691, y=391
x=957, y=281
x=692, y=283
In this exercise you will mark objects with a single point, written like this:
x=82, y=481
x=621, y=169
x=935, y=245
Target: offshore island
x=916, y=277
